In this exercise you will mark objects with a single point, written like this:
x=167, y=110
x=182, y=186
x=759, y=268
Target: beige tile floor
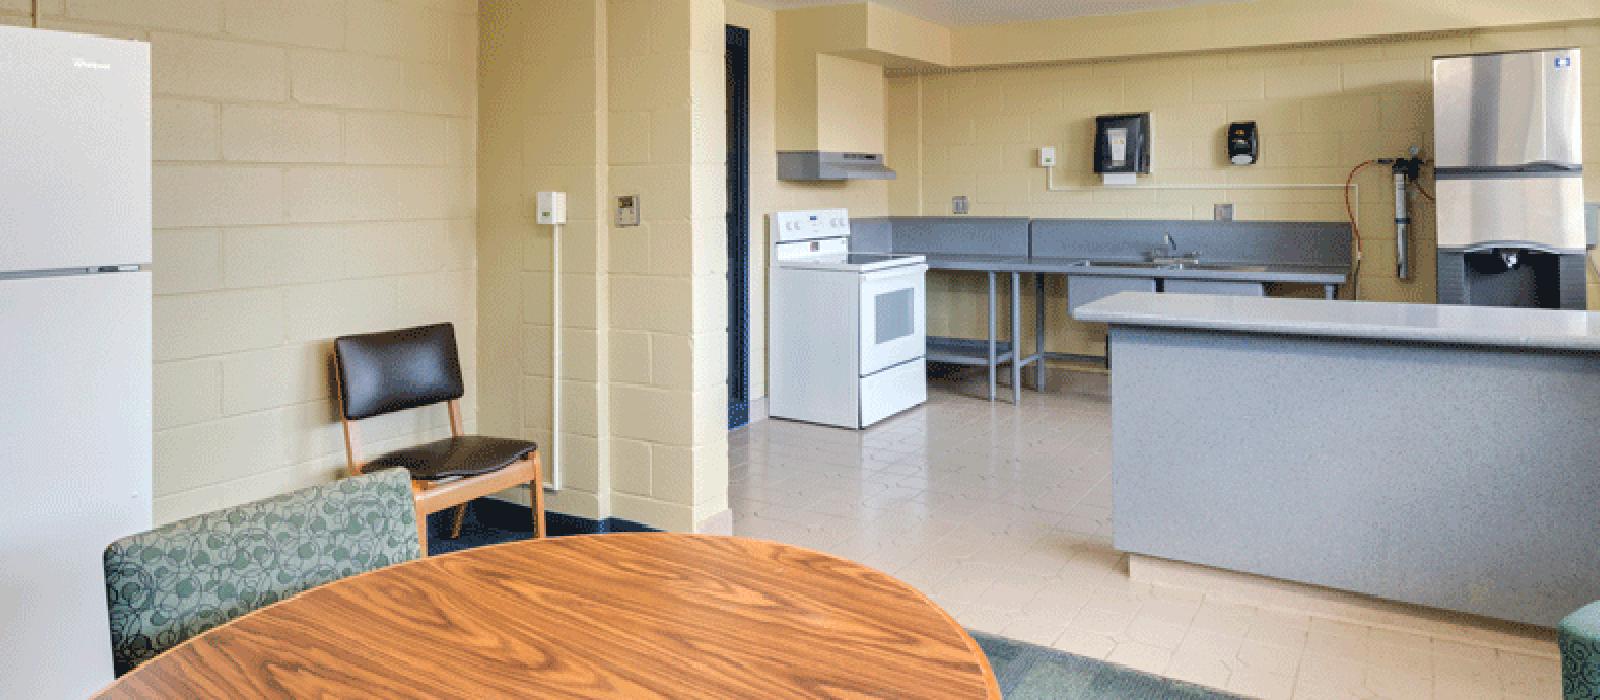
x=1003, y=516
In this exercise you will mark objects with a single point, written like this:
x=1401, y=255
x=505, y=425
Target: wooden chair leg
x=417, y=489
x=422, y=531
x=536, y=497
x=461, y=516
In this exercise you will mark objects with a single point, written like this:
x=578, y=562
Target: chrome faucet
x=1168, y=254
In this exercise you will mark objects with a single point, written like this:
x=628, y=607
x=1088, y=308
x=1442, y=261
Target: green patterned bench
x=1580, y=654
x=181, y=579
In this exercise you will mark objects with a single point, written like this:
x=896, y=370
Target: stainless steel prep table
x=960, y=351
x=1313, y=253
x=992, y=352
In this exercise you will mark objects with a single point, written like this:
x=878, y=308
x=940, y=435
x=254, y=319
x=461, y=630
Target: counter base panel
x=1455, y=477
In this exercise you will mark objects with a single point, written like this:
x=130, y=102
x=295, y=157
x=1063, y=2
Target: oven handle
x=898, y=272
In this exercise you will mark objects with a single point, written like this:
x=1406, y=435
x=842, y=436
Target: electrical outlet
x=958, y=204
x=1222, y=212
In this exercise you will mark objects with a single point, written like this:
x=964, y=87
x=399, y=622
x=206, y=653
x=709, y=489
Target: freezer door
x=1508, y=110
x=74, y=150
x=75, y=445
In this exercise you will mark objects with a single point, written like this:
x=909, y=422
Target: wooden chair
x=381, y=373
x=183, y=578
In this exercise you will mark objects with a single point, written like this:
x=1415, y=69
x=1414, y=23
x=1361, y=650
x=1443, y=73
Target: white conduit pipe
x=551, y=464
x=1355, y=189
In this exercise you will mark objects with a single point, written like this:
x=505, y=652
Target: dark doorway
x=738, y=60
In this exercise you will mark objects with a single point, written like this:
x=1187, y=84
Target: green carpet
x=1027, y=672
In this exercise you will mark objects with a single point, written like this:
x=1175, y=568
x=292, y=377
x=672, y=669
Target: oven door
x=893, y=317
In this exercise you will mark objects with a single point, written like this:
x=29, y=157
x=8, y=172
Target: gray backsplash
x=1258, y=242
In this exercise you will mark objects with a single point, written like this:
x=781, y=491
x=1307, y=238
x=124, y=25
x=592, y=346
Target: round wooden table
x=622, y=615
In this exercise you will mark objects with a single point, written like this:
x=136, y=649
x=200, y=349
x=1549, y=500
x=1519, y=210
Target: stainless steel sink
x=1224, y=267
x=1119, y=263
x=1170, y=265
x=1177, y=262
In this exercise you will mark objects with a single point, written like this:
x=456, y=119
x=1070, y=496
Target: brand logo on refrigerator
x=90, y=65
x=1563, y=62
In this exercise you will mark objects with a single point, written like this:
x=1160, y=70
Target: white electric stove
x=848, y=330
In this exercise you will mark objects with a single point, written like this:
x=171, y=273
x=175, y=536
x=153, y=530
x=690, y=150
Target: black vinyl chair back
x=395, y=370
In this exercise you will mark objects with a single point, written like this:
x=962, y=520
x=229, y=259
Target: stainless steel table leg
x=992, y=360
x=1038, y=331
x=1016, y=338
x=1329, y=291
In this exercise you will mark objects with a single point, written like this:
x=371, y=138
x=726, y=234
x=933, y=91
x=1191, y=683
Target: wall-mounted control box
x=1047, y=157
x=551, y=208
x=627, y=210
x=1122, y=147
x=1244, y=148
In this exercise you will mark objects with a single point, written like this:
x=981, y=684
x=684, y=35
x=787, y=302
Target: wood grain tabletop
x=617, y=615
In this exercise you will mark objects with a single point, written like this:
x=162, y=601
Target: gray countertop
x=1247, y=272
x=1544, y=329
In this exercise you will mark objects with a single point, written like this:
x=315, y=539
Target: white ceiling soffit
x=970, y=12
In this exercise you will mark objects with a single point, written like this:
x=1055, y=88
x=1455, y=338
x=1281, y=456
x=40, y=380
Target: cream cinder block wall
x=543, y=101
x=767, y=193
x=599, y=98
x=313, y=177
x=1321, y=110
x=668, y=303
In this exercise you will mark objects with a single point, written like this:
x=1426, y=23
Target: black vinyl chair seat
x=464, y=455
x=391, y=371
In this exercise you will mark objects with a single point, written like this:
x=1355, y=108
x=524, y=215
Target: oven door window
x=893, y=329
x=895, y=318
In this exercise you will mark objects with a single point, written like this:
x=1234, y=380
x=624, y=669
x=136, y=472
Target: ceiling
x=966, y=12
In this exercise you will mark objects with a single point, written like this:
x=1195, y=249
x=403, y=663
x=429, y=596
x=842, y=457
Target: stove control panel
x=810, y=225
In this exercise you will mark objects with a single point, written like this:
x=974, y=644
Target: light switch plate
x=1222, y=212
x=627, y=210
x=958, y=204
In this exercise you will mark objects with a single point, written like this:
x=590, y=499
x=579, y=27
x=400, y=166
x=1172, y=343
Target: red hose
x=1355, y=227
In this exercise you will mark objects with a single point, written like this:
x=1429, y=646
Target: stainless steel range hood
x=831, y=166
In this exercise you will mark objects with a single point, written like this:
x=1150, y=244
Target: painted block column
x=668, y=396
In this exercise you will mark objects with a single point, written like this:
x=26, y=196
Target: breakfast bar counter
x=1437, y=455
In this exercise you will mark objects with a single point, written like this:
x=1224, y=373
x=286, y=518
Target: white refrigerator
x=75, y=346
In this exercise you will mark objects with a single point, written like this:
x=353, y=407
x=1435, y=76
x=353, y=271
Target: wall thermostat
x=1243, y=147
x=1047, y=157
x=628, y=210
x=552, y=208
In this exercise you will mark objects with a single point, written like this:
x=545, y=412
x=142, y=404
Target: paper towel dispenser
x=1122, y=143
